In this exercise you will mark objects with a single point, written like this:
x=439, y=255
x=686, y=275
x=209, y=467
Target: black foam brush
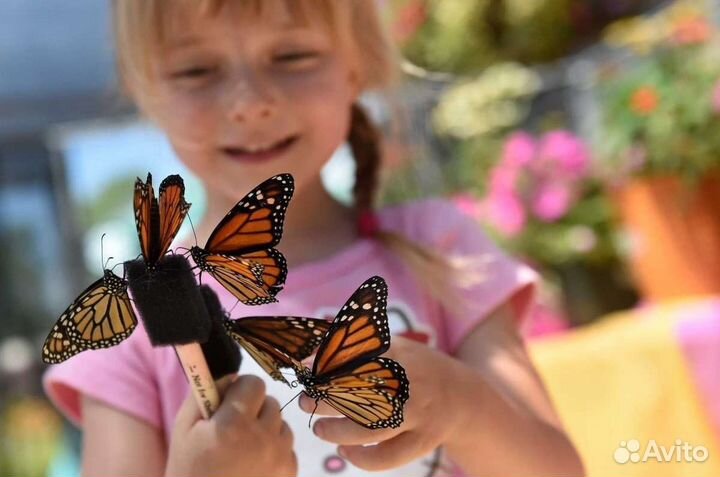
x=174, y=313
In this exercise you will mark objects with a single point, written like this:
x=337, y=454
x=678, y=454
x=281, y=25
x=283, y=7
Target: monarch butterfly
x=245, y=238
x=270, y=340
x=157, y=223
x=100, y=317
x=348, y=373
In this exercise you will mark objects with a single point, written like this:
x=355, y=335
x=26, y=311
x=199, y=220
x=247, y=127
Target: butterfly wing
x=102, y=316
x=274, y=268
x=293, y=336
x=147, y=219
x=256, y=222
x=371, y=394
x=242, y=278
x=173, y=210
x=359, y=332
x=277, y=342
x=268, y=359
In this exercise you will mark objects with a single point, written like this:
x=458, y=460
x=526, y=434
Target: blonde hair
x=140, y=29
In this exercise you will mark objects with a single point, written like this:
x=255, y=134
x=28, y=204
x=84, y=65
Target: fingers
x=308, y=405
x=392, y=453
x=270, y=415
x=188, y=414
x=223, y=383
x=286, y=435
x=343, y=431
x=244, y=397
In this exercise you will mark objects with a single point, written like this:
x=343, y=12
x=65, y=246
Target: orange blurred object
x=691, y=31
x=644, y=100
x=674, y=235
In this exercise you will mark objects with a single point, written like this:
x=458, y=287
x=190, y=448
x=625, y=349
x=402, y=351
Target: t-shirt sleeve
x=491, y=276
x=121, y=377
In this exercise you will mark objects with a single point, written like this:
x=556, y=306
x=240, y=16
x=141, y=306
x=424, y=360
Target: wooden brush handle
x=199, y=377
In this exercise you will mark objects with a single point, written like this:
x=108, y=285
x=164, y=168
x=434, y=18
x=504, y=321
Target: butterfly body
x=100, y=317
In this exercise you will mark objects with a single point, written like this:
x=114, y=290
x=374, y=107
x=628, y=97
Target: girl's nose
x=251, y=102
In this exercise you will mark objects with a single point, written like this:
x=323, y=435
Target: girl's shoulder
x=434, y=222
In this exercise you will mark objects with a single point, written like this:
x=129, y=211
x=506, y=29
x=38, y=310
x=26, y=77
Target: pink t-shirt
x=148, y=382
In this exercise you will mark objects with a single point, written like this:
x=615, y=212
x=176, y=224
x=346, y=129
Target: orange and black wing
x=147, y=218
x=242, y=278
x=372, y=393
x=102, y=316
x=256, y=222
x=274, y=268
x=294, y=336
x=173, y=210
x=274, y=342
x=158, y=222
x=359, y=332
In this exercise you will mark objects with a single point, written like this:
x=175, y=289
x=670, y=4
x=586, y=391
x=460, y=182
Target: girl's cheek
x=188, y=117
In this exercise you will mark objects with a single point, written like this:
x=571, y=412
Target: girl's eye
x=193, y=72
x=295, y=56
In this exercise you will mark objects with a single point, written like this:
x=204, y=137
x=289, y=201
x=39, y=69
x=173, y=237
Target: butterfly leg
x=317, y=403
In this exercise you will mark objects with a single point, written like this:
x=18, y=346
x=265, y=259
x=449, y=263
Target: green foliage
x=662, y=107
x=467, y=36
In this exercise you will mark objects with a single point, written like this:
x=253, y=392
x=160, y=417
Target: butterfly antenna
x=286, y=404
x=234, y=306
x=115, y=266
x=192, y=226
x=103, y=263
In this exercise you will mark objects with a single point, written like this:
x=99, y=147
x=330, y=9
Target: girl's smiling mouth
x=259, y=152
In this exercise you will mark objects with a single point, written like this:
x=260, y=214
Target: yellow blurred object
x=30, y=432
x=683, y=21
x=623, y=382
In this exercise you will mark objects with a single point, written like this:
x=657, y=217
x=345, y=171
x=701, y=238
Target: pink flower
x=504, y=179
x=519, y=150
x=505, y=212
x=551, y=201
x=716, y=97
x=468, y=205
x=567, y=151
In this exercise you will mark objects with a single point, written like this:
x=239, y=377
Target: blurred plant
x=466, y=36
x=30, y=431
x=492, y=102
x=661, y=113
x=542, y=203
x=535, y=179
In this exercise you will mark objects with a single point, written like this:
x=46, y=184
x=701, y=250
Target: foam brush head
x=169, y=301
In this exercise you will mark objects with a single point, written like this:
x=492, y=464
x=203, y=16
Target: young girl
x=245, y=89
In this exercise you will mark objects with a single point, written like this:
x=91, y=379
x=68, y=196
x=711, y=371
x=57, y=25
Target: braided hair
x=436, y=271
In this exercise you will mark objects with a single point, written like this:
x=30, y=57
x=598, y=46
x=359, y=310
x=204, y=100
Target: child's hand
x=245, y=437
x=434, y=411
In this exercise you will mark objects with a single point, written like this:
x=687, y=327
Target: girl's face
x=242, y=97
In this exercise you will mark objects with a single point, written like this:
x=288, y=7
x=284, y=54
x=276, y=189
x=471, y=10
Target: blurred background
x=582, y=134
